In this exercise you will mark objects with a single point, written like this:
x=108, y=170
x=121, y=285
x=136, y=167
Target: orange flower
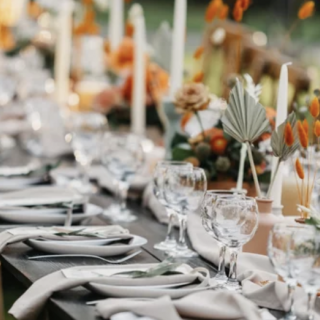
x=238, y=11
x=305, y=126
x=314, y=107
x=157, y=81
x=198, y=53
x=303, y=137
x=129, y=29
x=288, y=135
x=198, y=77
x=316, y=129
x=213, y=10
x=245, y=4
x=299, y=169
x=306, y=10
x=224, y=12
x=122, y=58
x=219, y=145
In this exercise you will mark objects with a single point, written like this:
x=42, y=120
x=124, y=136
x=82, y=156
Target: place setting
x=159, y=161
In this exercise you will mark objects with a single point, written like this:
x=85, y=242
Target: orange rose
x=219, y=145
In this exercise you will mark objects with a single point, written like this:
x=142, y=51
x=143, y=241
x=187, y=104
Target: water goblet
x=86, y=131
x=158, y=190
x=122, y=156
x=208, y=205
x=234, y=222
x=180, y=183
x=291, y=249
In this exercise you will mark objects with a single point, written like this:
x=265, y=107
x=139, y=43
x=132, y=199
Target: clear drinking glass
x=122, y=155
x=208, y=205
x=86, y=129
x=179, y=185
x=158, y=190
x=291, y=249
x=233, y=222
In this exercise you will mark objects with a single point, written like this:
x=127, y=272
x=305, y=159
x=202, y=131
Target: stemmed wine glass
x=86, y=131
x=122, y=155
x=207, y=207
x=233, y=222
x=291, y=249
x=180, y=188
x=158, y=190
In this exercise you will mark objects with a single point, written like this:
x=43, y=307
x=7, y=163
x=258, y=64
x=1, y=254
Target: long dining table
x=71, y=304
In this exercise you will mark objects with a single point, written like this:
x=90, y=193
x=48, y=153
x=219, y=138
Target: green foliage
x=180, y=154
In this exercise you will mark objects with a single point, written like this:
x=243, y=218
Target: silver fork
x=86, y=256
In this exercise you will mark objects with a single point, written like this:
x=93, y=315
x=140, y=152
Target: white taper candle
x=116, y=23
x=282, y=112
x=178, y=45
x=138, y=108
x=63, y=53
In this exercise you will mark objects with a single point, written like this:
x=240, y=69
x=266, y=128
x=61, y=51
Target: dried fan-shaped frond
x=278, y=143
x=245, y=119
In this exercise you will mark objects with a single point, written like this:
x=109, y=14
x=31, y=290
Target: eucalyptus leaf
x=279, y=147
x=245, y=119
x=161, y=269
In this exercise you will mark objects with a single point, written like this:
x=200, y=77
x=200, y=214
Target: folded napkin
x=101, y=175
x=200, y=305
x=29, y=305
x=259, y=281
x=39, y=196
x=59, y=233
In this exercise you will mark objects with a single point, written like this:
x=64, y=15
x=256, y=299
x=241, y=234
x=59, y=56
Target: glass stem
x=291, y=290
x=221, y=266
x=311, y=300
x=123, y=192
x=233, y=266
x=84, y=173
x=171, y=216
x=182, y=233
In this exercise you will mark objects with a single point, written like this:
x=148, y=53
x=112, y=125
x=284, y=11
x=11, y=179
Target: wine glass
x=291, y=249
x=234, y=222
x=86, y=131
x=122, y=156
x=309, y=279
x=158, y=190
x=179, y=185
x=208, y=205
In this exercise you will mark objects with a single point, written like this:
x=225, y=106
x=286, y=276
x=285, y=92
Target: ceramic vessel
x=259, y=243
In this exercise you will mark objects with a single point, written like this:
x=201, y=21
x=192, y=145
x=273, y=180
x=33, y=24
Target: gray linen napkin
x=29, y=305
x=202, y=305
x=21, y=234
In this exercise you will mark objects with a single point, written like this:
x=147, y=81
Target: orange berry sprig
x=224, y=12
x=316, y=129
x=213, y=10
x=198, y=77
x=288, y=135
x=299, y=169
x=303, y=136
x=315, y=107
x=305, y=126
x=198, y=53
x=306, y=10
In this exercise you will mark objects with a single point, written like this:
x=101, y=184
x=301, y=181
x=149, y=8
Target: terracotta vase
x=227, y=185
x=259, y=243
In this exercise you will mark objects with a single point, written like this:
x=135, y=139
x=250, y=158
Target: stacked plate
x=45, y=205
x=143, y=281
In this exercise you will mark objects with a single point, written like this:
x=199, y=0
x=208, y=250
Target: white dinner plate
x=141, y=292
x=40, y=217
x=63, y=247
x=13, y=184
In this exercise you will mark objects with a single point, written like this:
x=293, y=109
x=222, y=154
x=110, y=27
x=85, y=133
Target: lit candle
x=178, y=45
x=282, y=112
x=63, y=53
x=116, y=23
x=138, y=108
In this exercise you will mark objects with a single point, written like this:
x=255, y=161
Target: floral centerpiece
x=203, y=142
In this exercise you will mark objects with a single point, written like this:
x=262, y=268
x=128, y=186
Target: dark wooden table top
x=70, y=304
